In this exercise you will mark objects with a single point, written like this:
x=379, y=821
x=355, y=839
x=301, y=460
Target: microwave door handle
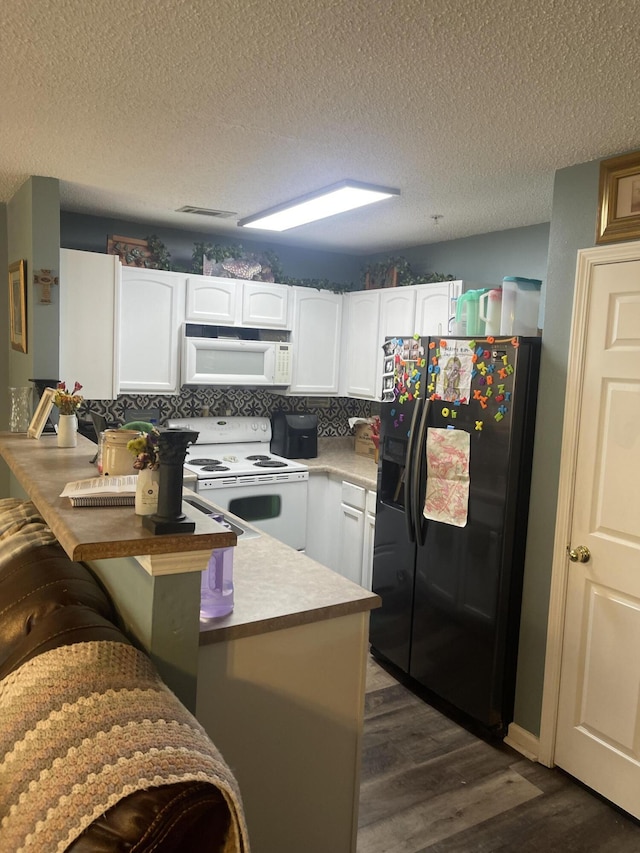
x=418, y=455
x=408, y=468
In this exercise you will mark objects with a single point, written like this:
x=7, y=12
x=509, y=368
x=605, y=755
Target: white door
x=598, y=722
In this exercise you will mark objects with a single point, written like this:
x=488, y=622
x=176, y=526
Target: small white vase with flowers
x=67, y=403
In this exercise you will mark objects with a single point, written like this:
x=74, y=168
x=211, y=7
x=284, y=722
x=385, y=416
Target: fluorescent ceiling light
x=345, y=195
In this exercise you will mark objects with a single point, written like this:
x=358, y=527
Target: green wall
x=90, y=233
x=573, y=222
x=486, y=258
x=32, y=234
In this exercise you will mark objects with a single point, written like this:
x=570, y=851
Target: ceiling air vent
x=205, y=211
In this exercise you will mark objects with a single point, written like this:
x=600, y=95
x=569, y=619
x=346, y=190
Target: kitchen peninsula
x=278, y=684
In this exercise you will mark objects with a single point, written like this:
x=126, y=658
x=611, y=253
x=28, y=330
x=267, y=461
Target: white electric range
x=236, y=470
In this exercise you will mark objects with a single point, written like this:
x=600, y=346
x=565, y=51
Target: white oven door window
x=280, y=509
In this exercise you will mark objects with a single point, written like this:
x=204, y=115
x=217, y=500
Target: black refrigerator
x=454, y=473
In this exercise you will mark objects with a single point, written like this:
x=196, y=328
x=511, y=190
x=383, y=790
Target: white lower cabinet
x=340, y=526
x=369, y=537
x=323, y=519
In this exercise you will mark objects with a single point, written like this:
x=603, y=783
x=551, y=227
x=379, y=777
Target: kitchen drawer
x=353, y=495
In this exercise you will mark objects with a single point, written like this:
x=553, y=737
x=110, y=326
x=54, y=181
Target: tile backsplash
x=333, y=412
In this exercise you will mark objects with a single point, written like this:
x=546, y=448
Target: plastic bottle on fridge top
x=216, y=585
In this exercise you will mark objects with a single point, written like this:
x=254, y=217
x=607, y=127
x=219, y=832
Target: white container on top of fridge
x=520, y=306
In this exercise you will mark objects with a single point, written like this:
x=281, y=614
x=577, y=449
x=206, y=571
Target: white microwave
x=225, y=361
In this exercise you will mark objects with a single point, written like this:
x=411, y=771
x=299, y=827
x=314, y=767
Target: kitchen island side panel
x=286, y=711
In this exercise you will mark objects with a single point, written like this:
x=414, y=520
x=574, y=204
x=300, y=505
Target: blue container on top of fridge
x=520, y=306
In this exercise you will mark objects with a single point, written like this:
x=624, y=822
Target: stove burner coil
x=270, y=463
x=216, y=468
x=203, y=462
x=257, y=458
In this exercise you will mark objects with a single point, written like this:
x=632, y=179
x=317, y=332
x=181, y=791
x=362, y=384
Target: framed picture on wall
x=619, y=199
x=18, y=306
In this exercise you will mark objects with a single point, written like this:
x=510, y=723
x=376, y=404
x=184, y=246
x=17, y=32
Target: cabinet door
x=315, y=335
x=433, y=308
x=360, y=375
x=264, y=306
x=89, y=286
x=397, y=318
x=369, y=537
x=213, y=300
x=152, y=312
x=323, y=520
x=351, y=543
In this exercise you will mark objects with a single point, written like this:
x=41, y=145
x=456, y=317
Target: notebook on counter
x=102, y=491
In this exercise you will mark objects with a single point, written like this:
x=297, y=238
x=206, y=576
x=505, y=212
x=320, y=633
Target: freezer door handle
x=408, y=473
x=419, y=450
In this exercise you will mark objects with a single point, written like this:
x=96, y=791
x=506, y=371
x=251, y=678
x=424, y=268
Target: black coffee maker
x=294, y=435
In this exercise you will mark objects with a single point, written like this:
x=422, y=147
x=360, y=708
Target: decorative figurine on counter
x=172, y=449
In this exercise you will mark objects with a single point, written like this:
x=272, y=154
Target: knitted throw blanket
x=83, y=726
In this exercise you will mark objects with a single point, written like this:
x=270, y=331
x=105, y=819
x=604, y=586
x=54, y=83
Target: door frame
x=588, y=259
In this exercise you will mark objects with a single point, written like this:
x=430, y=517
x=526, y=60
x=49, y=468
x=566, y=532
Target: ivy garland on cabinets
x=270, y=268
x=397, y=272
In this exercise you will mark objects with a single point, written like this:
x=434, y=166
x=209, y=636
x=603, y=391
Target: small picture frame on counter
x=42, y=412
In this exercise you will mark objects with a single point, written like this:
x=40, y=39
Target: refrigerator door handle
x=408, y=468
x=419, y=450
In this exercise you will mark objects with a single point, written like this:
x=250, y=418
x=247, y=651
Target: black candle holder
x=172, y=449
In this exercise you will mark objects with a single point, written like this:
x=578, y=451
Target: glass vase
x=20, y=409
x=146, y=502
x=67, y=431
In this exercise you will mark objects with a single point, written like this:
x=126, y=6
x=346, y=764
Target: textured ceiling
x=467, y=106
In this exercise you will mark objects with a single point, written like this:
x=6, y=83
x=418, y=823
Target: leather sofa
x=47, y=602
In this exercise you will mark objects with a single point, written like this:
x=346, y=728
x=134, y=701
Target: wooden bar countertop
x=91, y=533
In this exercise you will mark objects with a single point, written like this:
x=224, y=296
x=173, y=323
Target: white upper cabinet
x=212, y=300
x=372, y=315
x=397, y=312
x=433, y=307
x=151, y=318
x=233, y=302
x=265, y=306
x=359, y=366
x=315, y=338
x=89, y=288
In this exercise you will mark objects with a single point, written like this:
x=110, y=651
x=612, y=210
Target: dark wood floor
x=429, y=784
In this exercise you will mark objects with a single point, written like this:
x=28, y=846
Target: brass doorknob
x=579, y=554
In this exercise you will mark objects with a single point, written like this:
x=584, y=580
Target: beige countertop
x=275, y=586
x=90, y=533
x=337, y=458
